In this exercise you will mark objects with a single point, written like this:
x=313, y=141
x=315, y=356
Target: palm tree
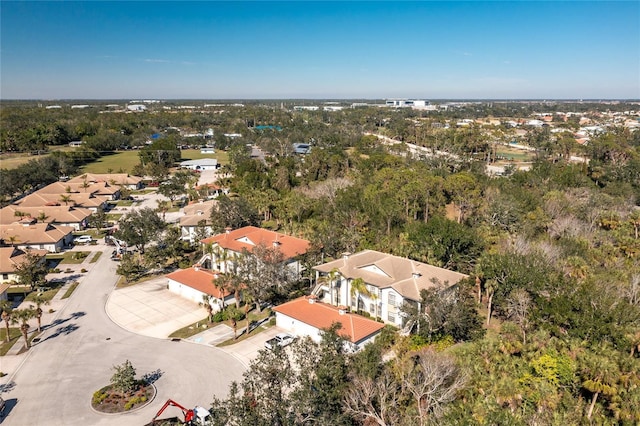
x=331, y=279
x=163, y=207
x=247, y=305
x=7, y=311
x=358, y=287
x=66, y=199
x=12, y=240
x=39, y=300
x=23, y=316
x=206, y=302
x=42, y=217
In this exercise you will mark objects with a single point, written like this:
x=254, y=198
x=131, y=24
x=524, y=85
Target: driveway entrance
x=151, y=310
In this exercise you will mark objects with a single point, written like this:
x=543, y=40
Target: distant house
x=201, y=164
x=195, y=283
x=301, y=148
x=122, y=180
x=389, y=282
x=307, y=317
x=206, y=150
x=75, y=144
x=196, y=216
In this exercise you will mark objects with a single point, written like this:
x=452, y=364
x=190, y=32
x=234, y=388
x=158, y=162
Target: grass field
x=11, y=161
x=122, y=161
x=515, y=154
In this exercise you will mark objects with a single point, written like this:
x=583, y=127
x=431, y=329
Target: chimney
x=196, y=267
x=346, y=255
x=342, y=310
x=227, y=229
x=416, y=275
x=312, y=299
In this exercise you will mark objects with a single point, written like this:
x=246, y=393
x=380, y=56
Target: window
x=391, y=317
x=392, y=299
x=372, y=308
x=5, y=276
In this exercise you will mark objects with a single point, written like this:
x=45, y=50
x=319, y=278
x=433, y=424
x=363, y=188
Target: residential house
x=73, y=187
x=197, y=217
x=83, y=200
x=211, y=190
x=122, y=180
x=10, y=260
x=28, y=234
x=201, y=164
x=197, y=283
x=383, y=283
x=306, y=316
x=227, y=246
x=75, y=217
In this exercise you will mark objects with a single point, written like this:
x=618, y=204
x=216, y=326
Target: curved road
x=74, y=357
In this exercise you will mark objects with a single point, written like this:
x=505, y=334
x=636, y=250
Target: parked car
x=282, y=340
x=83, y=239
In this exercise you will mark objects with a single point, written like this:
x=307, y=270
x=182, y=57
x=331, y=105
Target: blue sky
x=247, y=50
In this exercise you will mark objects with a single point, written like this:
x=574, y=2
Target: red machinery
x=189, y=415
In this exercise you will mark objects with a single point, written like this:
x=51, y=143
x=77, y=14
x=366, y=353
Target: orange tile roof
x=199, y=279
x=11, y=258
x=321, y=315
x=251, y=236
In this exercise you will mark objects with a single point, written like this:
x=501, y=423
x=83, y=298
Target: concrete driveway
x=151, y=310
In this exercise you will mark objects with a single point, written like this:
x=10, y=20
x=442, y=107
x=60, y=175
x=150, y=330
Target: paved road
x=74, y=358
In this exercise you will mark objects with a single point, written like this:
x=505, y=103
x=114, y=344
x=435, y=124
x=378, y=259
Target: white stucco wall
x=297, y=328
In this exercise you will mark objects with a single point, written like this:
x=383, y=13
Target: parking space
x=150, y=309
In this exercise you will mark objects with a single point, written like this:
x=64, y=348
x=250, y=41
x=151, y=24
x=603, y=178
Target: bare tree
x=433, y=380
x=518, y=306
x=370, y=400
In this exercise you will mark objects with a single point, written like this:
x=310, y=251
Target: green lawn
x=70, y=290
x=192, y=329
x=126, y=160
x=117, y=162
x=194, y=154
x=14, y=335
x=72, y=257
x=13, y=160
x=48, y=295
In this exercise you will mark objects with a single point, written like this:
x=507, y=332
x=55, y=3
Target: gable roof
x=81, y=199
x=34, y=233
x=199, y=279
x=116, y=178
x=355, y=328
x=407, y=277
x=251, y=236
x=12, y=257
x=54, y=214
x=196, y=212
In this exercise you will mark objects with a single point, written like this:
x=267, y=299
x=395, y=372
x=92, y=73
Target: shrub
x=272, y=321
x=219, y=316
x=98, y=397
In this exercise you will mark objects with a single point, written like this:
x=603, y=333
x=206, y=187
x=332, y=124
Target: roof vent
x=416, y=274
x=342, y=310
x=227, y=229
x=346, y=255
